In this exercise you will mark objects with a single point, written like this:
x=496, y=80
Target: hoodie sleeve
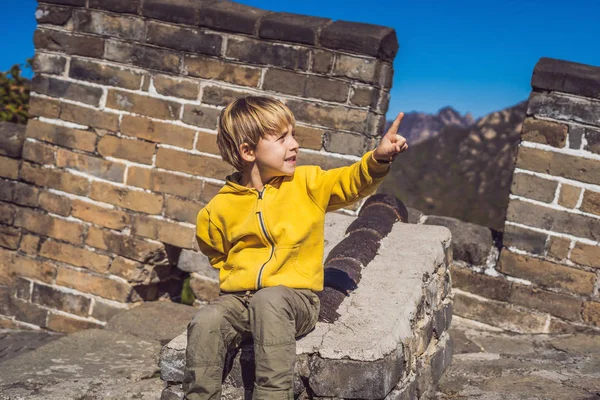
x=211, y=240
x=340, y=187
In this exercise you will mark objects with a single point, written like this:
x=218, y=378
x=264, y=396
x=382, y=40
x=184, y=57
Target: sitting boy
x=264, y=232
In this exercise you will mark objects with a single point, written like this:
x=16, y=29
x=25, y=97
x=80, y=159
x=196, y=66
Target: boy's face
x=276, y=154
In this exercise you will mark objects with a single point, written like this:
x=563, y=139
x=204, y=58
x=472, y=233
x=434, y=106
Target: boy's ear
x=247, y=152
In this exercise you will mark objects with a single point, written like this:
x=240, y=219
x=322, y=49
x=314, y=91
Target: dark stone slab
x=178, y=11
x=374, y=40
x=185, y=39
x=46, y=14
x=490, y=287
x=575, y=135
x=260, y=52
x=524, y=239
x=291, y=27
x=564, y=108
x=360, y=245
x=119, y=6
x=566, y=76
x=230, y=16
x=12, y=137
x=592, y=137
x=79, y=3
x=68, y=90
x=414, y=215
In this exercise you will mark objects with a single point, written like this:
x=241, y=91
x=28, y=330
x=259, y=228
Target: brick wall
x=547, y=278
x=120, y=152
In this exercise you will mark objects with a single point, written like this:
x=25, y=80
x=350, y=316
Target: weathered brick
x=39, y=152
x=9, y=167
x=104, y=74
x=132, y=271
x=483, y=285
x=41, y=270
x=592, y=137
x=62, y=136
x=88, y=21
x=591, y=202
x=102, y=286
x=142, y=56
x=334, y=117
x=183, y=186
x=135, y=200
x=24, y=194
x=22, y=289
x=374, y=40
x=324, y=161
x=54, y=298
x=553, y=220
x=7, y=188
x=207, y=143
x=47, y=14
x=68, y=43
x=11, y=139
x=107, y=217
x=575, y=136
x=192, y=163
x=156, y=131
x=119, y=6
x=230, y=16
x=211, y=68
x=305, y=85
x=291, y=27
x=139, y=177
x=178, y=11
x=104, y=311
x=7, y=214
x=176, y=87
x=533, y=187
x=546, y=274
x=144, y=105
x=322, y=61
x=55, y=87
x=76, y=256
x=545, y=132
x=9, y=237
x=53, y=64
x=564, y=108
x=28, y=312
x=77, y=3
x=569, y=195
x=65, y=324
x=344, y=143
x=524, y=239
x=204, y=289
x=186, y=39
x=44, y=224
x=361, y=69
x=221, y=96
x=104, y=169
x=564, y=76
x=127, y=246
x=204, y=117
x=560, y=305
x=591, y=312
x=258, y=52
x=128, y=149
x=165, y=231
x=558, y=247
x=586, y=254
x=364, y=96
x=309, y=137
x=210, y=190
x=55, y=179
x=87, y=116
x=182, y=210
x=29, y=244
x=42, y=107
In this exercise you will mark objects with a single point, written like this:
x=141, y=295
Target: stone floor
x=120, y=362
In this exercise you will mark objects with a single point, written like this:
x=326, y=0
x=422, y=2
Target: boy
x=264, y=232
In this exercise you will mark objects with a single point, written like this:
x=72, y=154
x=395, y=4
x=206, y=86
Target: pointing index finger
x=396, y=123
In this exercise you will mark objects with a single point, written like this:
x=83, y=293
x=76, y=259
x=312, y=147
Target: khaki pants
x=274, y=317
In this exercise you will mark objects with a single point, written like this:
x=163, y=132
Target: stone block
x=44, y=224
x=558, y=247
x=98, y=23
x=186, y=39
x=145, y=105
x=231, y=16
x=306, y=85
x=156, y=131
x=309, y=137
x=22, y=289
x=575, y=136
x=55, y=179
x=69, y=43
x=553, y=220
x=259, y=52
x=128, y=149
x=591, y=312
x=564, y=108
x=334, y=117
x=128, y=246
x=182, y=210
x=38, y=152
x=533, y=187
x=204, y=289
x=47, y=14
x=192, y=164
x=65, y=324
x=77, y=256
x=9, y=168
x=324, y=161
x=107, y=217
x=201, y=116
x=569, y=195
x=165, y=182
x=104, y=74
x=322, y=61
x=363, y=96
x=134, y=200
x=95, y=166
x=372, y=40
x=221, y=96
x=194, y=261
x=52, y=64
x=564, y=76
x=133, y=271
x=344, y=143
x=9, y=237
x=591, y=202
x=361, y=69
x=117, y=6
x=560, y=305
x=61, y=300
x=11, y=139
x=29, y=244
x=38, y=269
x=87, y=116
x=176, y=87
x=27, y=312
x=41, y=107
x=592, y=137
x=545, y=132
x=23, y=194
x=168, y=232
x=102, y=286
x=207, y=143
x=546, y=273
x=524, y=239
x=8, y=213
x=143, y=56
x=62, y=136
x=586, y=254
x=494, y=288
x=177, y=11
x=291, y=27
x=76, y=3
x=54, y=203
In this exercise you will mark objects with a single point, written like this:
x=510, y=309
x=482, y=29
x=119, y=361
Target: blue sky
x=476, y=56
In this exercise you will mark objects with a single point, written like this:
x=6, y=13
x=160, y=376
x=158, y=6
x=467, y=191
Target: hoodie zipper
x=263, y=226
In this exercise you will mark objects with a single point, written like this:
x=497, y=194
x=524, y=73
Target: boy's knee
x=275, y=296
x=209, y=316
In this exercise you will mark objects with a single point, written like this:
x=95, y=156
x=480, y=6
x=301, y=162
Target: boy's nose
x=294, y=144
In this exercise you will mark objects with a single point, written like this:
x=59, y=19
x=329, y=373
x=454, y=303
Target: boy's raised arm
x=210, y=238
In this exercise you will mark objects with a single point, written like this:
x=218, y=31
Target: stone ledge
x=568, y=77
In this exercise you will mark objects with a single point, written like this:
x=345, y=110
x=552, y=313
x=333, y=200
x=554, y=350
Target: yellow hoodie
x=276, y=236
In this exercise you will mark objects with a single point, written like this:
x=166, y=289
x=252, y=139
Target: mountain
x=463, y=172
x=417, y=127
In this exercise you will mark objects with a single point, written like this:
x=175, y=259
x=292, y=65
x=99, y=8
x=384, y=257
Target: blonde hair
x=248, y=119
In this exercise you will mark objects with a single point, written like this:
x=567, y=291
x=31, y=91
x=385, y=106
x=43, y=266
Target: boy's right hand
x=391, y=143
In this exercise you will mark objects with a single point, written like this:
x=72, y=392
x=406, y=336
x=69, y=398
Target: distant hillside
x=464, y=172
x=417, y=127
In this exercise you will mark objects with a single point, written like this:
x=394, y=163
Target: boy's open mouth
x=291, y=159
